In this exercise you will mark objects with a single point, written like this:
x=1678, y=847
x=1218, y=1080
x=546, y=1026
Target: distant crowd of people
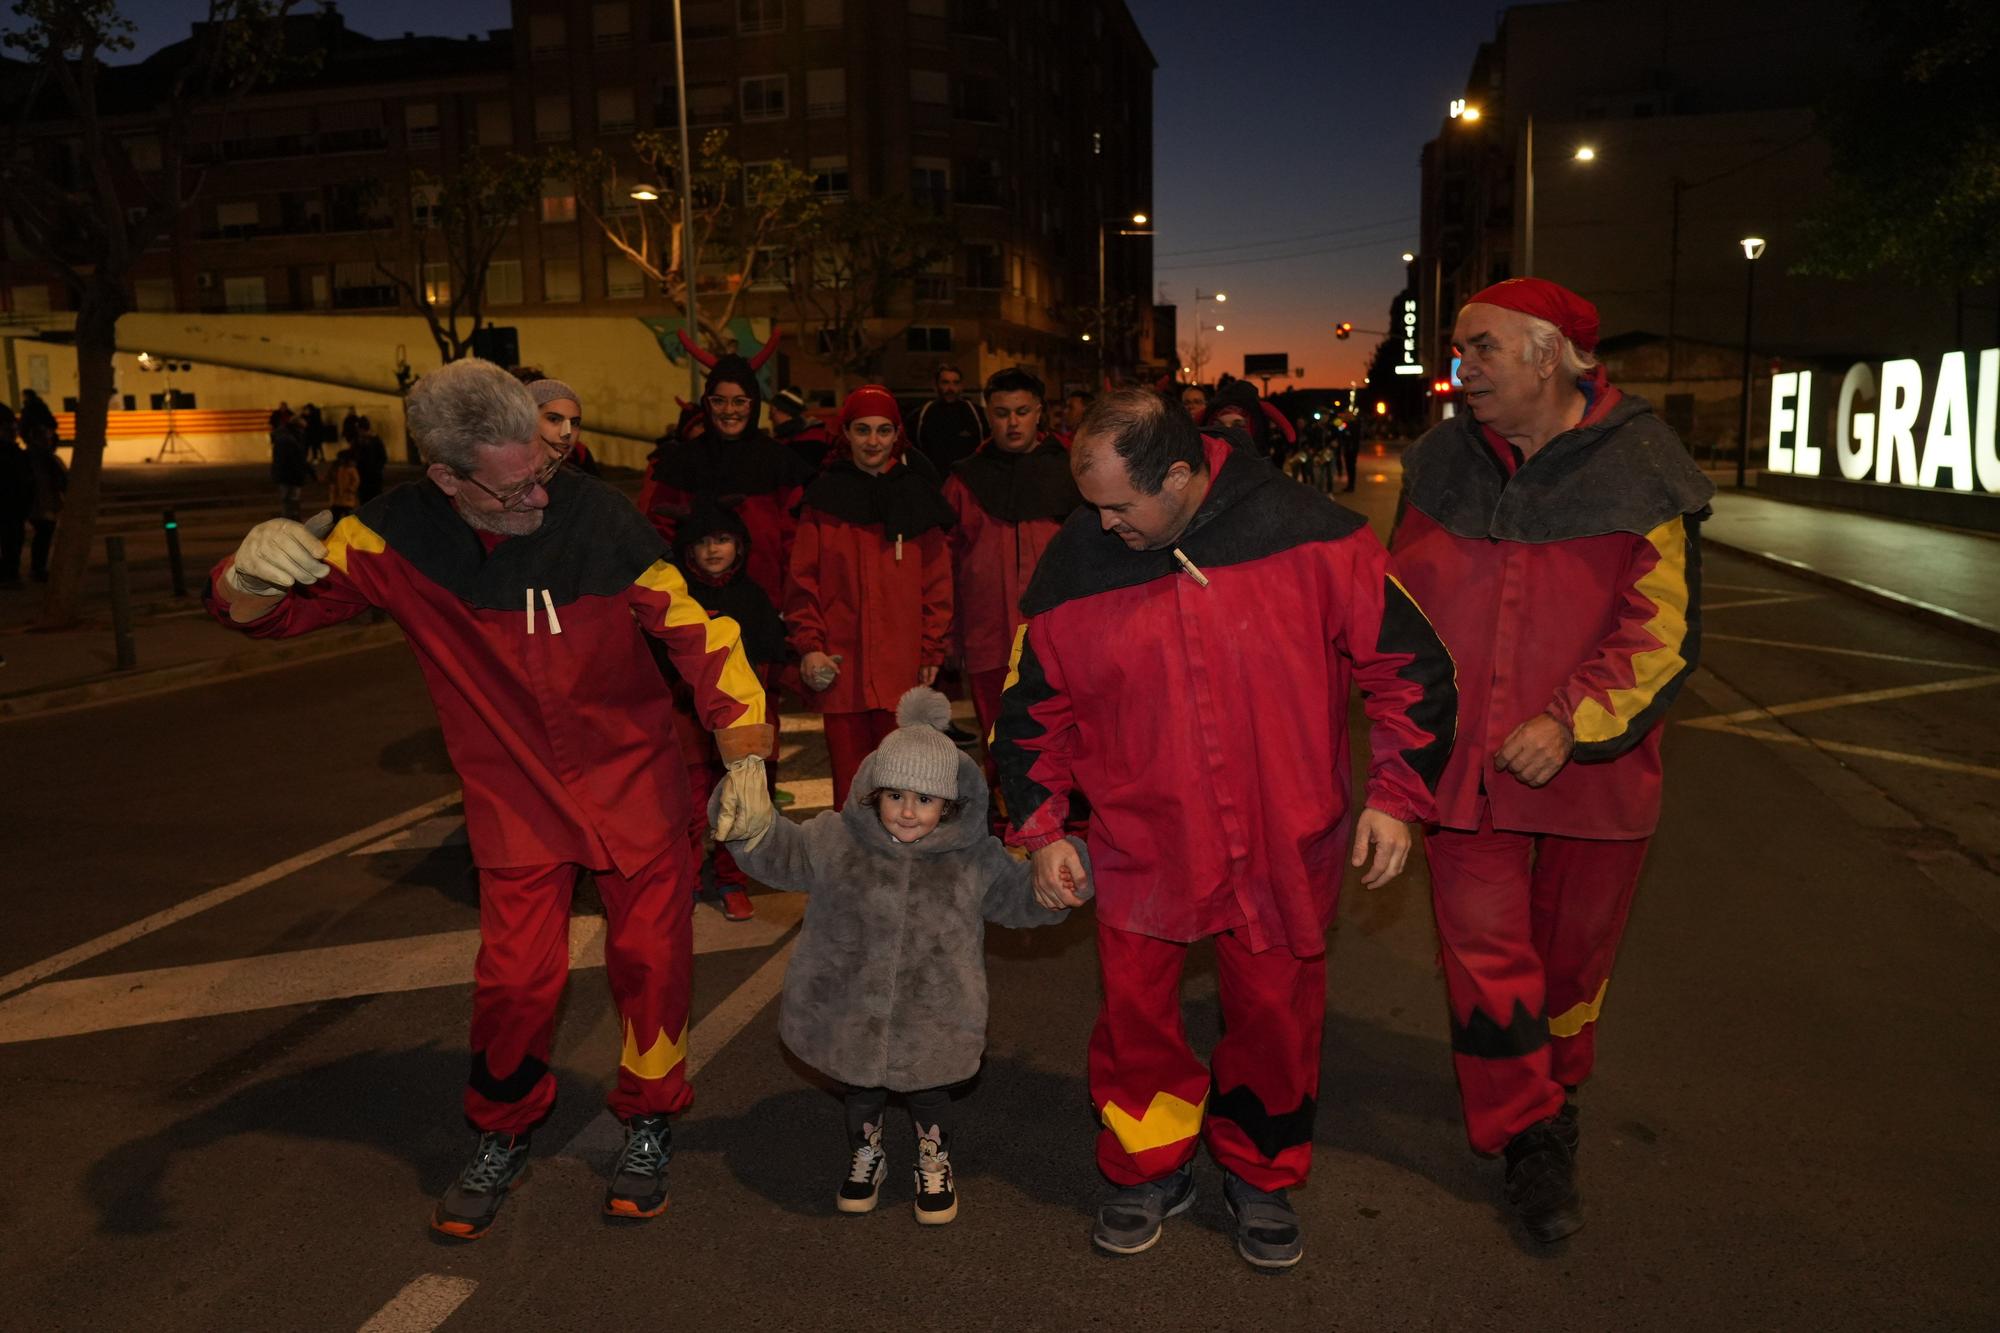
x=32, y=482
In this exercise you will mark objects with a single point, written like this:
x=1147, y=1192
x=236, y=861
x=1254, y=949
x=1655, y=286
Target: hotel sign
x=1892, y=427
x=1406, y=313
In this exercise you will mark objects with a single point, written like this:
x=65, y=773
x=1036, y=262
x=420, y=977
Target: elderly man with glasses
x=526, y=590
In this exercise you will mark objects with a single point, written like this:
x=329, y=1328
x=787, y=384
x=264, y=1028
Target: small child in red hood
x=711, y=547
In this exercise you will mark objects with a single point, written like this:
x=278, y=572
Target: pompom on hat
x=1570, y=313
x=917, y=756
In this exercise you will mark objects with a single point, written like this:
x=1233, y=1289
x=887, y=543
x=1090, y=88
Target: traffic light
x=1342, y=329
x=1441, y=389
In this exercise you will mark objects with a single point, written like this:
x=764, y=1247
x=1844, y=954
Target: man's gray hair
x=461, y=408
x=1545, y=339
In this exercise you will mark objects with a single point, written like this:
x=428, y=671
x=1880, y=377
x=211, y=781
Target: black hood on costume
x=709, y=516
x=1018, y=488
x=1251, y=511
x=904, y=501
x=733, y=369
x=1242, y=395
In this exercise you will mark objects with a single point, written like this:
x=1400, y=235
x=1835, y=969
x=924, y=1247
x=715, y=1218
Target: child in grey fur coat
x=887, y=989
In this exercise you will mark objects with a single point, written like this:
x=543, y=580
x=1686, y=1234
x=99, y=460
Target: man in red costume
x=1011, y=499
x=1191, y=644
x=1552, y=534
x=526, y=590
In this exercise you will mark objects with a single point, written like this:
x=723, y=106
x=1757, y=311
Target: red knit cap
x=1576, y=317
x=871, y=400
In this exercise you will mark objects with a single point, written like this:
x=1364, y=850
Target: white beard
x=505, y=522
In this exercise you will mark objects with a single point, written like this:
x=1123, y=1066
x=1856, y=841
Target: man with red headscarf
x=1551, y=532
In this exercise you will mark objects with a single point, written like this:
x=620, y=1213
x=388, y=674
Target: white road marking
x=443, y=831
x=124, y=935
x=1720, y=721
x=307, y=976
x=603, y=1136
x=1759, y=601
x=1706, y=584
x=421, y=1305
x=1862, y=751
x=1708, y=637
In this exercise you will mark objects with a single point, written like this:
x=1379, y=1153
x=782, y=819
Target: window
x=243, y=294
x=558, y=201
x=934, y=283
x=424, y=206
x=830, y=177
x=699, y=18
x=552, y=119
x=561, y=281
x=610, y=24
x=763, y=97
x=930, y=87
x=772, y=271
x=144, y=151
x=978, y=99
x=29, y=300
x=709, y=104
x=322, y=294
x=979, y=182
x=822, y=13
x=760, y=16
x=930, y=183
x=927, y=338
x=1015, y=274
x=495, y=125
x=358, y=283
x=615, y=113
x=420, y=124
x=826, y=93
x=503, y=282
x=623, y=279
x=437, y=283
x=236, y=217
x=548, y=34
x=983, y=267
x=155, y=293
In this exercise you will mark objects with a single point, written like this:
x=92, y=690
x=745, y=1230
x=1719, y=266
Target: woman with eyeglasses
x=869, y=603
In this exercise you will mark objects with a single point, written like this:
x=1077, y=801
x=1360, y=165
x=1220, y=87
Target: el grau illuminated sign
x=1957, y=450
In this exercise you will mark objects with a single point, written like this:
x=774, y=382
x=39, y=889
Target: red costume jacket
x=1569, y=585
x=1009, y=508
x=1208, y=725
x=553, y=711
x=870, y=584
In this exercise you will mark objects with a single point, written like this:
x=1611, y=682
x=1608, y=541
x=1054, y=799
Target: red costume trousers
x=1529, y=925
x=702, y=777
x=1153, y=1094
x=850, y=738
x=524, y=961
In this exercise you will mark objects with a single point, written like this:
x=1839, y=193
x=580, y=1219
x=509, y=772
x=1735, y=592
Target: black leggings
x=928, y=1107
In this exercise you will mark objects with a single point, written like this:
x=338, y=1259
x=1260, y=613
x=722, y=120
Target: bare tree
x=80, y=206
x=849, y=267
x=640, y=215
x=462, y=217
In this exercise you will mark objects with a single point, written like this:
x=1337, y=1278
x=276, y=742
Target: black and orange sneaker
x=639, y=1181
x=473, y=1201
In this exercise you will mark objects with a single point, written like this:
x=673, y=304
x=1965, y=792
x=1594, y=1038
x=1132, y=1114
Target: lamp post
x=1137, y=223
x=1468, y=113
x=1753, y=250
x=688, y=259
x=1199, y=296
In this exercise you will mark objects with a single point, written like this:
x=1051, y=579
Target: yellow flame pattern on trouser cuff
x=657, y=1060
x=1573, y=1019
x=1168, y=1119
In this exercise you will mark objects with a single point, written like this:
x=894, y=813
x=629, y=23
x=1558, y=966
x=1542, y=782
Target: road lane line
x=421, y=1305
x=307, y=976
x=69, y=958
x=1721, y=721
x=1759, y=601
x=1739, y=587
x=603, y=1136
x=1861, y=751
x=1710, y=637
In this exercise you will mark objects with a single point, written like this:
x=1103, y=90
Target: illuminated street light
x=1086, y=337
x=1222, y=296
x=1219, y=329
x=645, y=194
x=1586, y=154
x=1753, y=250
x=1140, y=219
x=1409, y=258
x=1753, y=247
x=1464, y=110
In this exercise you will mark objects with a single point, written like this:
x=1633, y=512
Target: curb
x=1943, y=617
x=159, y=680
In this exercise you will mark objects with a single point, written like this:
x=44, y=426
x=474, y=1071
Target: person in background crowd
x=869, y=603
x=350, y=428
x=1074, y=406
x=343, y=485
x=559, y=409
x=950, y=426
x=1195, y=399
x=793, y=426
x=17, y=498
x=35, y=412
x=290, y=469
x=51, y=482
x=312, y=433
x=1349, y=439
x=371, y=458
x=1552, y=532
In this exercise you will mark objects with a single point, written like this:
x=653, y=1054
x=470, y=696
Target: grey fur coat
x=887, y=988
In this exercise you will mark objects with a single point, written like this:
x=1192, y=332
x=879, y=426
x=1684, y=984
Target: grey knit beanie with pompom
x=918, y=756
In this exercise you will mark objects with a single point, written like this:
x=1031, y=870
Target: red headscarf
x=871, y=400
x=1574, y=316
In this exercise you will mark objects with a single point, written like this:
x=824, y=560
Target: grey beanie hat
x=547, y=391
x=918, y=756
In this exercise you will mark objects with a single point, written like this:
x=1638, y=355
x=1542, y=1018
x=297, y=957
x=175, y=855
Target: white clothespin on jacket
x=548, y=605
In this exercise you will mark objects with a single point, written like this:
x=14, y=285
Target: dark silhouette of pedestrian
x=371, y=458
x=51, y=480
x=35, y=412
x=17, y=497
x=290, y=469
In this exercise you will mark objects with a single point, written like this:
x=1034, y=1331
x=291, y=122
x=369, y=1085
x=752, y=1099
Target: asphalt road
x=1792, y=1126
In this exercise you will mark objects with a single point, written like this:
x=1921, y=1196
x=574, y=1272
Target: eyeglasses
x=730, y=404
x=543, y=476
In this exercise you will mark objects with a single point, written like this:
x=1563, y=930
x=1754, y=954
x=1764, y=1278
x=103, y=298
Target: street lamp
x=1127, y=226
x=1467, y=113
x=1220, y=298
x=1753, y=250
x=645, y=194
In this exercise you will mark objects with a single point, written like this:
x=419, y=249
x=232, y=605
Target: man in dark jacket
x=1552, y=533
x=290, y=471
x=1218, y=810
x=17, y=497
x=950, y=426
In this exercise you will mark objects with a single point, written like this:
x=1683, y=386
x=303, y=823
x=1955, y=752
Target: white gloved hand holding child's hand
x=745, y=814
x=280, y=553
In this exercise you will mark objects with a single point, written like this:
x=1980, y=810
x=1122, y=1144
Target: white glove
x=819, y=675
x=279, y=553
x=745, y=814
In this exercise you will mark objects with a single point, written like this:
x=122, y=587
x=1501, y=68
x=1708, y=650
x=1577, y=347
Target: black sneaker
x=639, y=1183
x=473, y=1201
x=865, y=1170
x=1566, y=1127
x=937, y=1199
x=1130, y=1221
x=1541, y=1182
x=1267, y=1230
